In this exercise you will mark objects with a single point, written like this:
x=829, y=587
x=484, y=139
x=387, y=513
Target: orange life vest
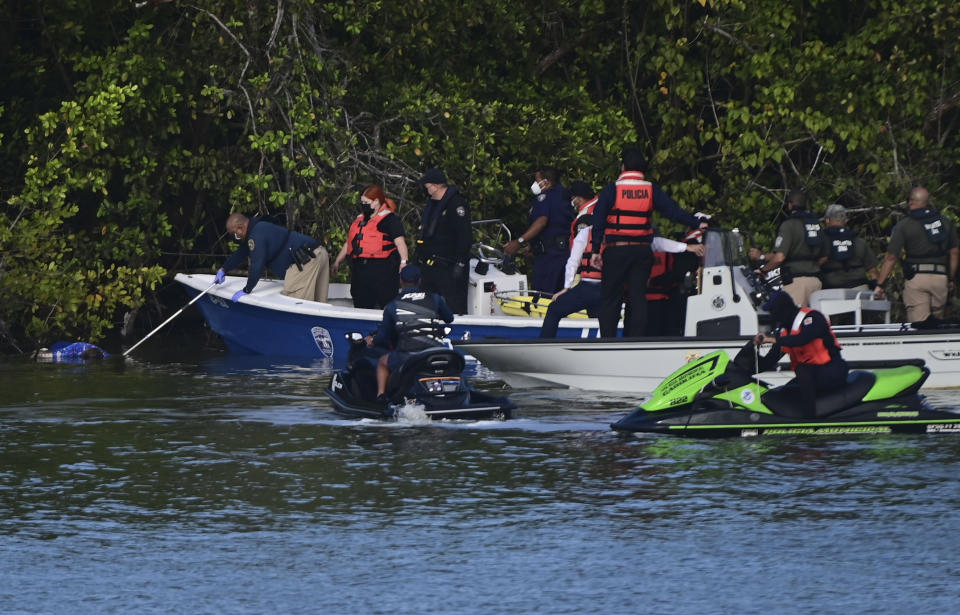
x=630, y=217
x=663, y=262
x=812, y=353
x=586, y=270
x=365, y=240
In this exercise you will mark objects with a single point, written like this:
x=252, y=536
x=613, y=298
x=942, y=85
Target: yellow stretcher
x=530, y=303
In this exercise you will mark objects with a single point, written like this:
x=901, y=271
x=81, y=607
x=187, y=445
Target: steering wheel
x=488, y=254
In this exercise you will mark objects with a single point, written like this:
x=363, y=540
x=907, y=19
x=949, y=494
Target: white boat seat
x=833, y=301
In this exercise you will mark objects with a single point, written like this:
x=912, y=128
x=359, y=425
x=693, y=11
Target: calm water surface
x=215, y=484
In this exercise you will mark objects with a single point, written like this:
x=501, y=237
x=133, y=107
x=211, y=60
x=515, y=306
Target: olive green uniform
x=926, y=266
x=801, y=260
x=851, y=273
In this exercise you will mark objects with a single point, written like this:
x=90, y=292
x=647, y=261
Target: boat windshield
x=724, y=247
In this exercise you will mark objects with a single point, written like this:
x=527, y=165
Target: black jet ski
x=714, y=396
x=432, y=378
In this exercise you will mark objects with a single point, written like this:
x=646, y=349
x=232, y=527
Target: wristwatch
x=520, y=239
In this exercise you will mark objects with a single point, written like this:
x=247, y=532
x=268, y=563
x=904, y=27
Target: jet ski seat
x=783, y=400
x=859, y=382
x=436, y=362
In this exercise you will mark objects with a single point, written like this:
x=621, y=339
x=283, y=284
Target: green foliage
x=54, y=274
x=129, y=133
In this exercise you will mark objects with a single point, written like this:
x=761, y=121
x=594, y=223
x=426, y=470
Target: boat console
x=731, y=293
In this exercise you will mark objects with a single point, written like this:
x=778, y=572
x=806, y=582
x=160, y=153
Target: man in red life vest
x=623, y=227
x=586, y=295
x=814, y=352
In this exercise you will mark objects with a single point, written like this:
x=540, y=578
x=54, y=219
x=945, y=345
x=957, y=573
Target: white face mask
x=535, y=188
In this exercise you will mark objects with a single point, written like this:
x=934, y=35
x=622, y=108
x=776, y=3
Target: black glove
x=459, y=270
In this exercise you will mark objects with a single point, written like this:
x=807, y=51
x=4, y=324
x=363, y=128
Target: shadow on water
x=231, y=472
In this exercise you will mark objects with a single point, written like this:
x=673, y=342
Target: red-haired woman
x=377, y=250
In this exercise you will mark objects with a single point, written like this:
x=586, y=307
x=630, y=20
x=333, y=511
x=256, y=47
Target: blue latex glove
x=221, y=274
x=236, y=296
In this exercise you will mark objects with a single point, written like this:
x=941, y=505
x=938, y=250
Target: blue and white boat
x=267, y=322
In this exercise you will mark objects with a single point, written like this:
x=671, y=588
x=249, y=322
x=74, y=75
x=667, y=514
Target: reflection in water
x=228, y=485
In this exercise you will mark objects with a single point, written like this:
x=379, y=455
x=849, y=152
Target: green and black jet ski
x=714, y=397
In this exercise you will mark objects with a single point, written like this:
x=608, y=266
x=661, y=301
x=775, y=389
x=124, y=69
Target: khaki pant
x=801, y=288
x=925, y=294
x=313, y=282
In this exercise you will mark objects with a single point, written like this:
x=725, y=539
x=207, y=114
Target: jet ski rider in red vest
x=623, y=227
x=814, y=352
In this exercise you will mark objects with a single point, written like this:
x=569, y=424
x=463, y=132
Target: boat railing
x=833, y=301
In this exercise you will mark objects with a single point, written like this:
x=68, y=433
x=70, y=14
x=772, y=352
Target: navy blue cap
x=410, y=273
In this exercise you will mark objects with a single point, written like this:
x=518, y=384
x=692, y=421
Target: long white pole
x=192, y=301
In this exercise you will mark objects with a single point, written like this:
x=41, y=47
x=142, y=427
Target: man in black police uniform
x=414, y=302
x=444, y=240
x=623, y=225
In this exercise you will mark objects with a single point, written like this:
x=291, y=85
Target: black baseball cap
x=432, y=176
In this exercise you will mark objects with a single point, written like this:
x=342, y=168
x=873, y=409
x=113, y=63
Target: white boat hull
x=638, y=366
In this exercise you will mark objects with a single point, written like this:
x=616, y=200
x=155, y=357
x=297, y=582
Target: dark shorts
x=396, y=359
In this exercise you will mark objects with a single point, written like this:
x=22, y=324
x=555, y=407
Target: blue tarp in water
x=72, y=352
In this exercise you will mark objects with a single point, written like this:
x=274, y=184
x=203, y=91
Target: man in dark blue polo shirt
x=300, y=261
x=548, y=233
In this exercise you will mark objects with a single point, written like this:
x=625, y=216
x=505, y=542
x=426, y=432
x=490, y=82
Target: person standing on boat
x=444, y=240
x=300, y=261
x=585, y=295
x=797, y=251
x=548, y=231
x=930, y=253
x=377, y=250
x=814, y=352
x=850, y=263
x=623, y=228
x=412, y=302
x=672, y=261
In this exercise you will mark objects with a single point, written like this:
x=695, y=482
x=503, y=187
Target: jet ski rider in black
x=413, y=303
